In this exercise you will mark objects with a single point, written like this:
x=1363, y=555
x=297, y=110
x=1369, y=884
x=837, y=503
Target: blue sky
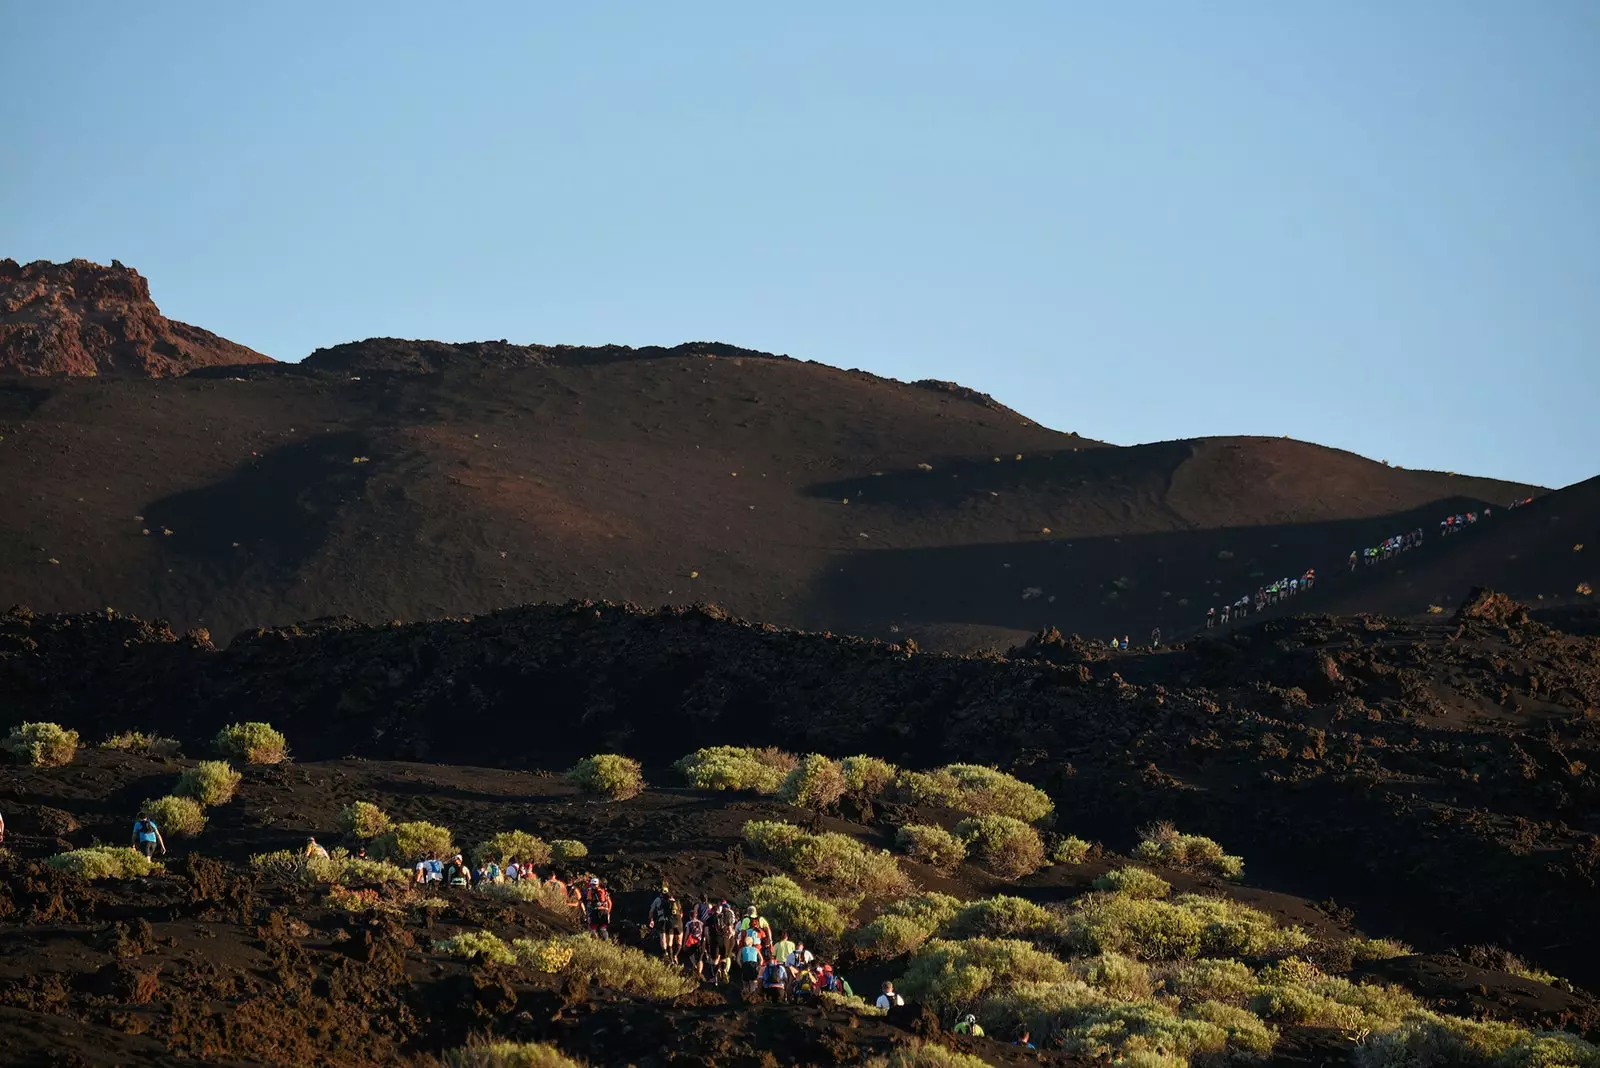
x=1374, y=225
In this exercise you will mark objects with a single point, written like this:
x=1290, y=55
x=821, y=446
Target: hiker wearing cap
x=724, y=935
x=457, y=874
x=969, y=1026
x=597, y=906
x=315, y=849
x=666, y=919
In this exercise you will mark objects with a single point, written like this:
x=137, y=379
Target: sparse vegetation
x=1161, y=843
x=1006, y=846
x=1135, y=882
x=1426, y=1040
x=510, y=1055
x=931, y=844
x=143, y=744
x=977, y=790
x=904, y=925
x=537, y=891
x=866, y=778
x=210, y=782
x=614, y=966
x=607, y=775
x=831, y=858
x=253, y=743
x=732, y=767
x=928, y=1055
x=407, y=843
x=104, y=862
x=789, y=907
x=363, y=820
x=520, y=846
x=473, y=945
x=1003, y=917
x=816, y=783
x=44, y=745
x=338, y=868
x=1368, y=949
x=178, y=817
x=1069, y=849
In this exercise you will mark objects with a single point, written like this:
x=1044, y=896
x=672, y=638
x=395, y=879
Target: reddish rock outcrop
x=81, y=318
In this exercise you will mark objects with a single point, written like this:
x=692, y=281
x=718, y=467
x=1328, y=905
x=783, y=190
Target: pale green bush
x=104, y=862
x=978, y=790
x=407, y=843
x=567, y=850
x=931, y=844
x=520, y=846
x=180, y=817
x=789, y=908
x=816, y=783
x=832, y=858
x=1069, y=849
x=904, y=925
x=852, y=1002
x=614, y=966
x=949, y=974
x=1005, y=845
x=537, y=891
x=1002, y=917
x=1210, y=979
x=143, y=744
x=1369, y=949
x=1190, y=926
x=339, y=868
x=364, y=820
x=866, y=778
x=475, y=944
x=1231, y=929
x=210, y=782
x=253, y=743
x=608, y=775
x=1246, y=1033
x=510, y=1055
x=44, y=745
x=1428, y=1040
x=1134, y=882
x=1161, y=843
x=927, y=1055
x=733, y=767
x=1296, y=992
x=1120, y=977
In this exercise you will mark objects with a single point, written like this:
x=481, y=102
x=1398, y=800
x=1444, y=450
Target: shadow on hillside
x=1125, y=584
x=1062, y=472
x=276, y=510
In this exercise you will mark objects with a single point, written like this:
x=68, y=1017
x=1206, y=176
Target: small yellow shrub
x=210, y=782
x=144, y=744
x=1163, y=844
x=932, y=845
x=475, y=944
x=733, y=767
x=567, y=850
x=1003, y=917
x=520, y=846
x=407, y=843
x=363, y=820
x=866, y=778
x=104, y=862
x=1134, y=882
x=253, y=743
x=607, y=775
x=510, y=1055
x=816, y=783
x=44, y=745
x=180, y=817
x=789, y=908
x=1005, y=845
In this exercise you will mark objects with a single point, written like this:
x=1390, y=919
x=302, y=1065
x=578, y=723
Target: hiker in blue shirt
x=147, y=836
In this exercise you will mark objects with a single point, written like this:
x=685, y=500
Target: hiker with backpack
x=666, y=919
x=725, y=937
x=597, y=909
x=147, y=836
x=775, y=981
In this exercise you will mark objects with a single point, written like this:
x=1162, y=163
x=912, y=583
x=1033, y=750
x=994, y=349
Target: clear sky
x=1373, y=224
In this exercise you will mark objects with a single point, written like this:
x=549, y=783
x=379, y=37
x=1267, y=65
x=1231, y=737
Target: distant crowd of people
x=1263, y=598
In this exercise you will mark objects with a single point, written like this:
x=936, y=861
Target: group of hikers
x=1264, y=597
x=1391, y=547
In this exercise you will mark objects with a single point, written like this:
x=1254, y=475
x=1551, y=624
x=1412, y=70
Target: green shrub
x=345, y=870
x=904, y=925
x=143, y=744
x=866, y=778
x=1370, y=949
x=1003, y=917
x=286, y=863
x=567, y=850
x=789, y=908
x=838, y=1000
x=475, y=944
x=1210, y=979
x=1069, y=849
x=104, y=862
x=1428, y=1040
x=612, y=965
x=977, y=790
x=1161, y=843
x=1295, y=992
x=1120, y=977
x=363, y=820
x=608, y=775
x=733, y=767
x=1230, y=929
x=932, y=845
x=537, y=891
x=1005, y=845
x=927, y=1055
x=407, y=843
x=253, y=743
x=510, y=1055
x=816, y=783
x=831, y=858
x=1138, y=927
x=520, y=846
x=1246, y=1033
x=950, y=974
x=180, y=817
x=44, y=745
x=1135, y=882
x=210, y=782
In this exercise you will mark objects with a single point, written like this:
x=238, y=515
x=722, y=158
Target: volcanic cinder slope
x=81, y=318
x=392, y=479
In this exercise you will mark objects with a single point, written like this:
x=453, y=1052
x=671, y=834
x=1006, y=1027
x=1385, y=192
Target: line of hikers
x=1264, y=597
x=1388, y=548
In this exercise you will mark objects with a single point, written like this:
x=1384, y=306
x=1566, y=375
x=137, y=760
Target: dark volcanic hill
x=401, y=480
x=80, y=318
